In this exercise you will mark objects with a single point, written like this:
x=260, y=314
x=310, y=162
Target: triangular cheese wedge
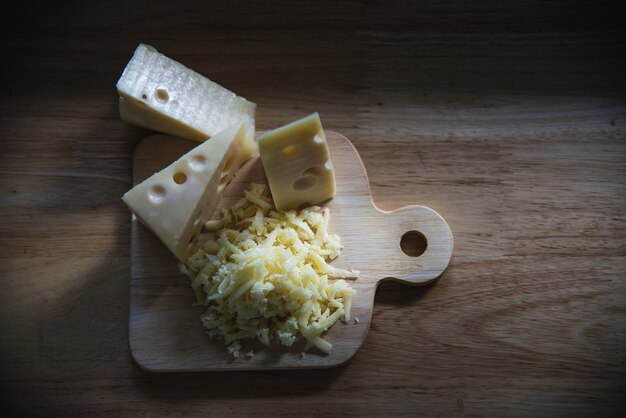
x=159, y=93
x=175, y=202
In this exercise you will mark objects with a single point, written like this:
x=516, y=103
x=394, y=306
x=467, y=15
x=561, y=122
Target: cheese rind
x=297, y=163
x=176, y=202
x=159, y=93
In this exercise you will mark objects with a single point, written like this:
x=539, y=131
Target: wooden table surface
x=508, y=118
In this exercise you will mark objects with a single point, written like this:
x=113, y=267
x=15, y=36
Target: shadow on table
x=391, y=292
x=237, y=384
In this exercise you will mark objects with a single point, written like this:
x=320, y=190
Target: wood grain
x=165, y=333
x=508, y=118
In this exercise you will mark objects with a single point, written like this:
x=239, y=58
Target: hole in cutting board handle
x=413, y=243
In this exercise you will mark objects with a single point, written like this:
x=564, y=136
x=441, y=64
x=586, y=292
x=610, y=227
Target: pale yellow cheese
x=176, y=202
x=159, y=93
x=297, y=163
x=266, y=275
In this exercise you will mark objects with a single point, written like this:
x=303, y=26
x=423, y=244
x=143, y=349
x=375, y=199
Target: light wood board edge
x=439, y=250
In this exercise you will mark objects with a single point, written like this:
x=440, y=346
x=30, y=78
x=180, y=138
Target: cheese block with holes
x=159, y=93
x=297, y=163
x=175, y=202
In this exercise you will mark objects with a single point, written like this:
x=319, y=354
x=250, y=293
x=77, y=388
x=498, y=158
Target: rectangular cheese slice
x=159, y=93
x=175, y=202
x=297, y=164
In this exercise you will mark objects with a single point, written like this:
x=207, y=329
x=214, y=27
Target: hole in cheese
x=413, y=243
x=197, y=162
x=162, y=95
x=224, y=179
x=157, y=193
x=229, y=163
x=180, y=178
x=290, y=151
x=304, y=183
x=198, y=223
x=313, y=171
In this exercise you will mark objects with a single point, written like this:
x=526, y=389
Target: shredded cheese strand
x=266, y=275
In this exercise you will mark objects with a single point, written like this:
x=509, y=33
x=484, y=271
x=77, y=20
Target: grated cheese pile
x=266, y=274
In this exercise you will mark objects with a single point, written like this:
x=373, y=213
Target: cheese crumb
x=234, y=348
x=266, y=275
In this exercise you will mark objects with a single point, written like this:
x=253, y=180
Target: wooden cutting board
x=166, y=334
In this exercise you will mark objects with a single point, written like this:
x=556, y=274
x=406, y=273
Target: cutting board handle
x=424, y=244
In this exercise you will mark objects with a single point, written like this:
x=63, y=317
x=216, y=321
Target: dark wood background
x=506, y=117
